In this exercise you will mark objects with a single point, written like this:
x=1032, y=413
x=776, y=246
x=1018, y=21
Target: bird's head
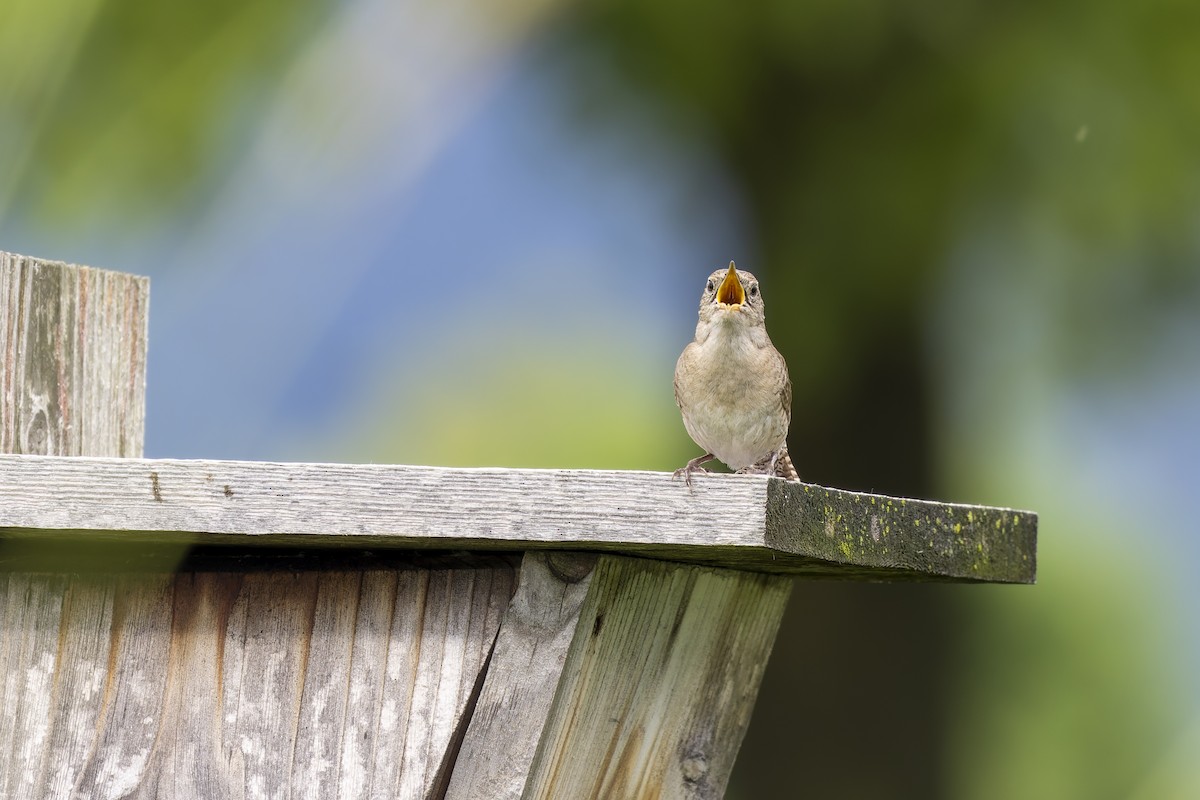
x=732, y=297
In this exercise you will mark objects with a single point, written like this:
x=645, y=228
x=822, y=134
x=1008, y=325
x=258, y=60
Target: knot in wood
x=571, y=567
x=694, y=767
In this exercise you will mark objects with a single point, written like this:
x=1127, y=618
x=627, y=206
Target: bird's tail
x=784, y=467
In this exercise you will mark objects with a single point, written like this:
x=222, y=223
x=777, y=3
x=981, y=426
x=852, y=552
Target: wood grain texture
x=312, y=684
x=659, y=681
x=746, y=522
x=72, y=359
x=523, y=677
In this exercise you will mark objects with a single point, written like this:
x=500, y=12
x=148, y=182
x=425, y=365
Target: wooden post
x=72, y=359
x=236, y=629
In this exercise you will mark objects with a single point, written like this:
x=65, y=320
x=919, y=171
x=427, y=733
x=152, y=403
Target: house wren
x=732, y=385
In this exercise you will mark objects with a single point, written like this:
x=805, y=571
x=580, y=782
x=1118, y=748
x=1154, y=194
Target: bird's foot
x=692, y=466
x=764, y=466
x=777, y=464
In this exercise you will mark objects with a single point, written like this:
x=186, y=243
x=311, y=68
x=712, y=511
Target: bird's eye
x=754, y=290
x=709, y=287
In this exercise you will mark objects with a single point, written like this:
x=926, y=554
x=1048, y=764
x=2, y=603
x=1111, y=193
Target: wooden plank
x=311, y=684
x=32, y=605
x=523, y=677
x=72, y=383
x=747, y=522
x=78, y=668
x=130, y=711
x=659, y=681
x=72, y=359
x=620, y=677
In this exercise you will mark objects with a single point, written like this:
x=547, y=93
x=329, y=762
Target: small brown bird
x=732, y=385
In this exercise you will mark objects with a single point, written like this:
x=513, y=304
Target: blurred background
x=468, y=233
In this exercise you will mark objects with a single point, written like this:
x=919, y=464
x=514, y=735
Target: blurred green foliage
x=868, y=134
x=1063, y=693
x=125, y=105
x=514, y=401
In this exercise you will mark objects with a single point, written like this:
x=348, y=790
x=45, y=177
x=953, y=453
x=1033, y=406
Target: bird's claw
x=692, y=466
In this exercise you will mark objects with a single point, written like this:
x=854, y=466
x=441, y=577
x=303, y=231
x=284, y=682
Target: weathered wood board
x=650, y=700
x=264, y=685
x=72, y=359
x=523, y=677
x=749, y=522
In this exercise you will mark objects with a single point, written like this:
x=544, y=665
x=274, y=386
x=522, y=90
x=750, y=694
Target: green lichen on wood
x=897, y=536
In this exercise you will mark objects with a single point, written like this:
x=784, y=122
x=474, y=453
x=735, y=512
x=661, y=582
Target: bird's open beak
x=730, y=292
